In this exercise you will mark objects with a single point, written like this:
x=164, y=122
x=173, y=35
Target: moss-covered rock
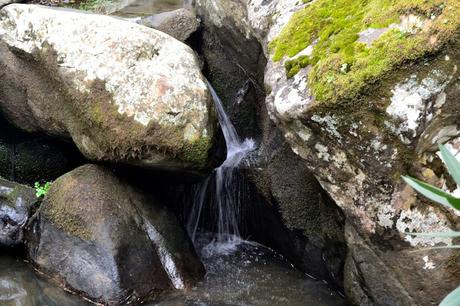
x=117, y=92
x=363, y=91
x=349, y=44
x=119, y=244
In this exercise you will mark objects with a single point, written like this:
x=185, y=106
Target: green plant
x=439, y=196
x=41, y=189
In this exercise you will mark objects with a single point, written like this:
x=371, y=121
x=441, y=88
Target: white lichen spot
x=408, y=102
x=385, y=215
x=322, y=152
x=329, y=124
x=429, y=265
x=414, y=220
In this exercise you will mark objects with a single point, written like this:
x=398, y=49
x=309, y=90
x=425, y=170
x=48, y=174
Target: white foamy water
x=226, y=194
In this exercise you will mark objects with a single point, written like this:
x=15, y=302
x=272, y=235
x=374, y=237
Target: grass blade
x=452, y=299
x=451, y=162
x=433, y=193
x=438, y=234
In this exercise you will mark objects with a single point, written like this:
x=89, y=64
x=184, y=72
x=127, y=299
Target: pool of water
x=21, y=286
x=238, y=273
x=246, y=273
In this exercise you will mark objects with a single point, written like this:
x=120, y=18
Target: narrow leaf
x=433, y=193
x=436, y=248
x=451, y=162
x=452, y=299
x=438, y=234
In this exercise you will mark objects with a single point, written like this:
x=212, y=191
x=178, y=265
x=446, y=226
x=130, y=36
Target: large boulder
x=363, y=97
x=16, y=202
x=119, y=245
x=112, y=86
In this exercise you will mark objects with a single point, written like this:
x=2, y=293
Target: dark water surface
x=238, y=273
x=21, y=286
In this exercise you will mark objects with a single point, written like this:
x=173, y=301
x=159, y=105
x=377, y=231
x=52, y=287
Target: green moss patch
x=197, y=151
x=342, y=66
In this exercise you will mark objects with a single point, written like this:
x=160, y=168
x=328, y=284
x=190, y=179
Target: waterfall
x=225, y=194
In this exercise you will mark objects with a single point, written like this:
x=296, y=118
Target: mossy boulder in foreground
x=122, y=92
x=98, y=237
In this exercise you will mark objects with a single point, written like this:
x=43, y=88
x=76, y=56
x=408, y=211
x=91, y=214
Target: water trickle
x=165, y=255
x=225, y=195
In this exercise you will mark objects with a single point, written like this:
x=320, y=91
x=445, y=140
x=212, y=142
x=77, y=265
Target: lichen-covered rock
x=123, y=92
x=180, y=23
x=363, y=91
x=16, y=202
x=119, y=245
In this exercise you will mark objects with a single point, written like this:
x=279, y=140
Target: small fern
x=41, y=189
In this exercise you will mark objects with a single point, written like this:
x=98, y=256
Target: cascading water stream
x=226, y=194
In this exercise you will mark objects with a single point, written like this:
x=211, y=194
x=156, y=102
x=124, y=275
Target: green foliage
x=439, y=196
x=332, y=27
x=452, y=299
x=41, y=189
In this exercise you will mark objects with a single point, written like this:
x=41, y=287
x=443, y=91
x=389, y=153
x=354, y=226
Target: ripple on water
x=20, y=286
x=239, y=272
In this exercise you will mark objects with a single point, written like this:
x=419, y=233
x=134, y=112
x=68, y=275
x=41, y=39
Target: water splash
x=226, y=196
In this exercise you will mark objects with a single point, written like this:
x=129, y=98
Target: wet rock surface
x=180, y=24
x=290, y=211
x=242, y=273
x=358, y=148
x=313, y=222
x=16, y=202
x=119, y=245
x=116, y=92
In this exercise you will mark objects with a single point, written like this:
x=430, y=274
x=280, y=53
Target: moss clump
x=197, y=151
x=58, y=207
x=341, y=64
x=294, y=66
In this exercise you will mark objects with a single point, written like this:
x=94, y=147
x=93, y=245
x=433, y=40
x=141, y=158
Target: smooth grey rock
x=180, y=23
x=15, y=203
x=119, y=245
